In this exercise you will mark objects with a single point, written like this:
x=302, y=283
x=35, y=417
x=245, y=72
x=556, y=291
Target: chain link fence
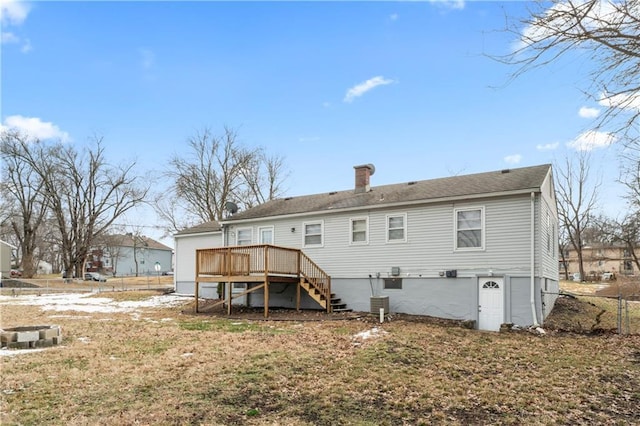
x=598, y=308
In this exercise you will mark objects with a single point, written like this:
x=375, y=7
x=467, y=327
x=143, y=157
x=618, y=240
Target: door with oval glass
x=490, y=303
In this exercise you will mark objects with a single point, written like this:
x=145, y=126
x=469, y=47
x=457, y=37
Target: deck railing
x=264, y=259
x=248, y=260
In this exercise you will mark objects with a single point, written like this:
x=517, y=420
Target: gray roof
x=126, y=240
x=206, y=227
x=458, y=187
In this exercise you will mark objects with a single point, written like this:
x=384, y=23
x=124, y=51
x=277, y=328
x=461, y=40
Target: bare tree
x=264, y=178
x=215, y=171
x=605, y=33
x=22, y=188
x=577, y=201
x=563, y=247
x=84, y=193
x=625, y=231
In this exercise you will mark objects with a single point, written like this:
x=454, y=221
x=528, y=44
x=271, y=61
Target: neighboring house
x=481, y=247
x=6, y=250
x=600, y=258
x=44, y=268
x=186, y=243
x=130, y=254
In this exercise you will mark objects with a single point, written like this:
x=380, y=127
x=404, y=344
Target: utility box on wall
x=378, y=302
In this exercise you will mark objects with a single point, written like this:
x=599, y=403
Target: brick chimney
x=363, y=173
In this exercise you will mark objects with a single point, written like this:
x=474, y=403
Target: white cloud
x=394, y=16
x=547, y=146
x=8, y=37
x=449, y=4
x=362, y=88
x=586, y=112
x=326, y=104
x=622, y=101
x=34, y=127
x=591, y=139
x=147, y=58
x=13, y=12
x=597, y=16
x=513, y=159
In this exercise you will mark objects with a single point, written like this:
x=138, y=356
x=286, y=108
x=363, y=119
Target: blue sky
x=407, y=86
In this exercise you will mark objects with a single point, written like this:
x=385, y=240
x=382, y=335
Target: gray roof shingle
x=212, y=226
x=520, y=179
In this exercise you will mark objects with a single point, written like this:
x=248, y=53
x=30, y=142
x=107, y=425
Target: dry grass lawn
x=158, y=365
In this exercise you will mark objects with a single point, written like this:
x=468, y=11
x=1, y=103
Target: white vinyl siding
x=397, y=228
x=469, y=225
x=265, y=234
x=244, y=236
x=313, y=234
x=359, y=230
x=429, y=245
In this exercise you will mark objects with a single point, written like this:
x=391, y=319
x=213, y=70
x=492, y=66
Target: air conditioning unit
x=378, y=302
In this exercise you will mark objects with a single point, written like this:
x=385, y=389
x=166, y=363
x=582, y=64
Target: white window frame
x=304, y=233
x=404, y=228
x=250, y=236
x=366, y=230
x=482, y=228
x=266, y=228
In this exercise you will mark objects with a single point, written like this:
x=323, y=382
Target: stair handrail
x=315, y=276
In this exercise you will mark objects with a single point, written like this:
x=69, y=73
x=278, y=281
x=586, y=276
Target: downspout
x=533, y=261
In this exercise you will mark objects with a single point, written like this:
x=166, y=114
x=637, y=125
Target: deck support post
x=197, y=294
x=266, y=281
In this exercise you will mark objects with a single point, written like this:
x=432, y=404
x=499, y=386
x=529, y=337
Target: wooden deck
x=265, y=264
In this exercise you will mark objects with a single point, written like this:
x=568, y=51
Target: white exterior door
x=490, y=303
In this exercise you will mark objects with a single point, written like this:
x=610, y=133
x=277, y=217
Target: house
x=598, y=258
x=480, y=247
x=129, y=254
x=6, y=251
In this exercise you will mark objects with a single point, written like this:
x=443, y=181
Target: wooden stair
x=335, y=303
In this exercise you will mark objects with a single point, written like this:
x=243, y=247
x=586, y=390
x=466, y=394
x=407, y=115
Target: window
x=548, y=233
x=469, y=224
x=312, y=234
x=266, y=235
x=396, y=228
x=359, y=230
x=628, y=266
x=393, y=283
x=243, y=236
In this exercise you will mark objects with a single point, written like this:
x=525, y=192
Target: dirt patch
x=571, y=314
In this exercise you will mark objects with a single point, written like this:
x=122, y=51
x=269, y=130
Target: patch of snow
x=368, y=334
x=70, y=316
x=84, y=340
x=83, y=303
x=186, y=355
x=15, y=352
